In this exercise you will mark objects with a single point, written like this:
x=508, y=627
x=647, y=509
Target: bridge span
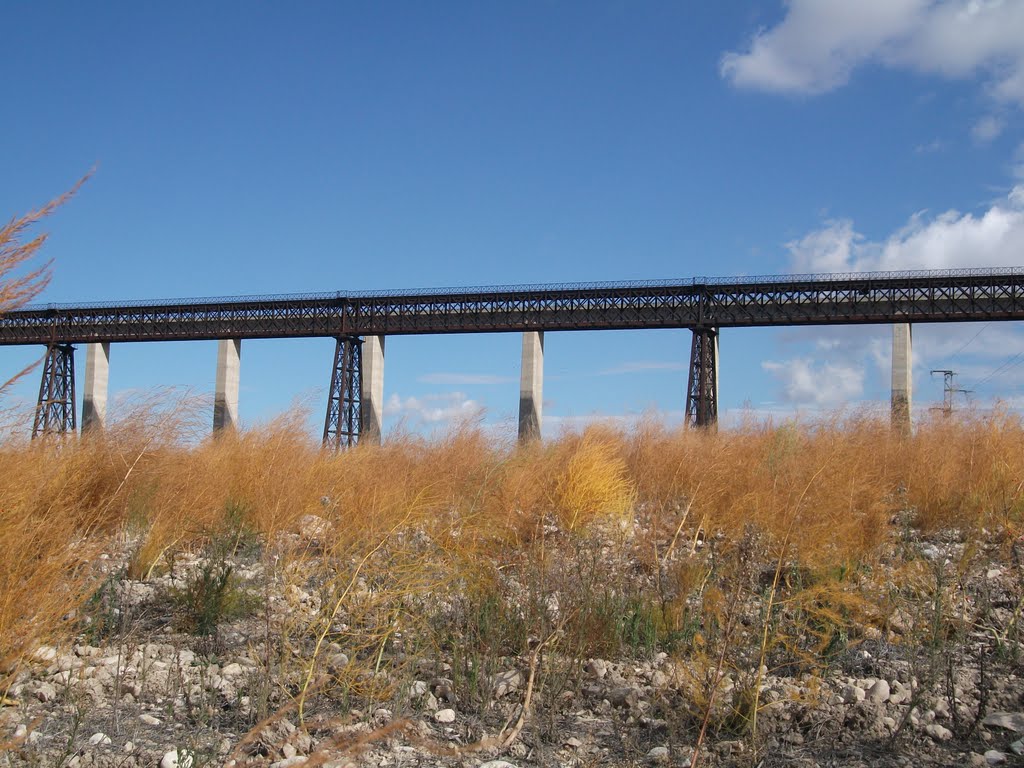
x=360, y=321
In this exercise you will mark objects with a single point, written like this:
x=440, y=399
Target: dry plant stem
x=779, y=564
x=254, y=732
x=679, y=528
x=717, y=677
x=340, y=601
x=506, y=740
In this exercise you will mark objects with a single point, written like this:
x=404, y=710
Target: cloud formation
x=809, y=382
x=436, y=409
x=819, y=43
x=992, y=238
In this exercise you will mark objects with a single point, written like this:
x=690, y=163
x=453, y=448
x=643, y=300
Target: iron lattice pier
x=343, y=424
x=702, y=387
x=55, y=411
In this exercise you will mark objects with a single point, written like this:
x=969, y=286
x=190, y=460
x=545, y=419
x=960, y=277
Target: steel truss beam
x=343, y=424
x=702, y=389
x=889, y=297
x=55, y=410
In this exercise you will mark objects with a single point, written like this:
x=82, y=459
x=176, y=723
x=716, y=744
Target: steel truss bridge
x=704, y=305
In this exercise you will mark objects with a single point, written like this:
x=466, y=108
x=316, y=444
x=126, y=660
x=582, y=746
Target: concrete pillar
x=902, y=365
x=225, y=401
x=97, y=375
x=531, y=386
x=371, y=390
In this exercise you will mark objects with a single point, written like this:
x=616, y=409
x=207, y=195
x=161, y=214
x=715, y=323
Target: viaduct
x=360, y=322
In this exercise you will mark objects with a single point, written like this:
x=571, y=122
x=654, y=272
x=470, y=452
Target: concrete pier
x=531, y=387
x=97, y=376
x=902, y=370
x=371, y=391
x=225, y=401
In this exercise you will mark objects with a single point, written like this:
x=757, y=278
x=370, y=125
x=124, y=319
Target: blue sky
x=253, y=148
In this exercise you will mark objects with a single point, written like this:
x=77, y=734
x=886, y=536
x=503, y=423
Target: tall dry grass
x=462, y=512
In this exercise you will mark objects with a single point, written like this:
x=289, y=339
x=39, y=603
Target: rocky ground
x=139, y=689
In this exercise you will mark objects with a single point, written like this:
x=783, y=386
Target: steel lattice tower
x=55, y=411
x=702, y=389
x=343, y=424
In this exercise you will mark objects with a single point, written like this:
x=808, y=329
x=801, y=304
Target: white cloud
x=993, y=238
x=809, y=382
x=433, y=409
x=987, y=128
x=463, y=378
x=819, y=43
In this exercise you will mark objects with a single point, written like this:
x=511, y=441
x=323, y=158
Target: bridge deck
x=884, y=297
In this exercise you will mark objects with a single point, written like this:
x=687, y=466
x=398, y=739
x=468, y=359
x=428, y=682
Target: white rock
x=573, y=742
x=879, y=692
x=995, y=757
x=288, y=762
x=1011, y=721
x=45, y=692
x=418, y=688
x=507, y=682
x=149, y=719
x=336, y=662
x=177, y=759
x=44, y=653
x=99, y=738
x=852, y=694
x=497, y=764
x=231, y=670
x=658, y=755
x=1017, y=747
x=445, y=716
x=938, y=732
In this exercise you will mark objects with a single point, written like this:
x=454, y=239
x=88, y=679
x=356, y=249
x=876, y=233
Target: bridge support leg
x=371, y=416
x=342, y=425
x=55, y=411
x=531, y=387
x=97, y=375
x=702, y=389
x=902, y=365
x=225, y=401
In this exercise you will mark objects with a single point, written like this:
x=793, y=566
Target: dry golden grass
x=418, y=517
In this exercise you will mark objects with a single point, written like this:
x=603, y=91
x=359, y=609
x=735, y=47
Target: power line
x=965, y=346
x=1013, y=362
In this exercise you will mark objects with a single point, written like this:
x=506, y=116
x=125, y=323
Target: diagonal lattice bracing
x=702, y=388
x=55, y=410
x=342, y=424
